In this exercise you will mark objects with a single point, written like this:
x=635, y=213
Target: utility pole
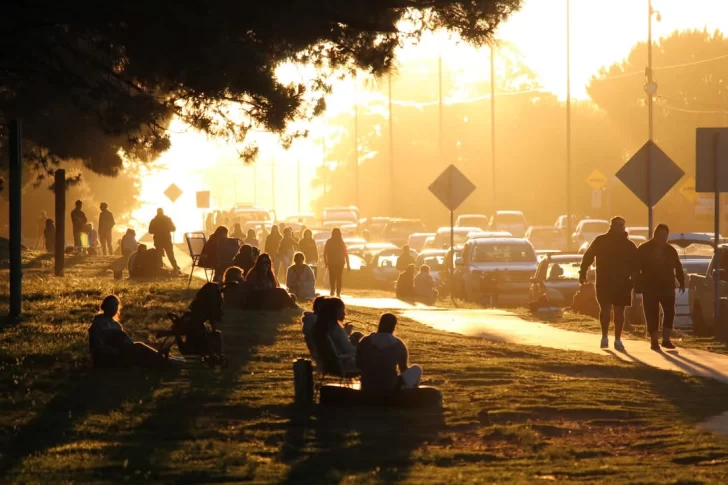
x=440, y=126
x=492, y=123
x=391, y=151
x=273, y=182
x=356, y=146
x=299, y=184
x=568, y=126
x=651, y=90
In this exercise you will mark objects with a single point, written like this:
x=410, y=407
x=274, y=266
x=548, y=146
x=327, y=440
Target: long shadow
x=82, y=393
x=332, y=443
x=205, y=392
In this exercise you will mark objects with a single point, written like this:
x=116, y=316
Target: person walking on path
x=617, y=268
x=271, y=247
x=659, y=265
x=162, y=228
x=336, y=256
x=106, y=224
x=78, y=221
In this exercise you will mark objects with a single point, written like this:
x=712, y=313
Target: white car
x=442, y=237
x=488, y=234
x=472, y=220
x=435, y=259
x=417, y=240
x=510, y=261
x=509, y=221
x=588, y=230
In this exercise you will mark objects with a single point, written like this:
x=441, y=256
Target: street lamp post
x=568, y=125
x=356, y=146
x=492, y=123
x=650, y=90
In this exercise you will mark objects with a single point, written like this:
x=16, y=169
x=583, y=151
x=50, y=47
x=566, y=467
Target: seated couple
x=111, y=346
x=258, y=290
x=146, y=263
x=421, y=287
x=381, y=358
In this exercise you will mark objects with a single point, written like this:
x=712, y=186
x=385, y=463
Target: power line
x=664, y=68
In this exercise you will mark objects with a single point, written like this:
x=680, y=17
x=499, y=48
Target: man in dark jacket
x=617, y=267
x=378, y=357
x=405, y=259
x=162, y=228
x=660, y=265
x=106, y=223
x=78, y=221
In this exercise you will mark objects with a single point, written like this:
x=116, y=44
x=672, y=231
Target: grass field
x=513, y=414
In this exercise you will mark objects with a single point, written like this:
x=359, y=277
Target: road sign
x=173, y=192
x=596, y=179
x=203, y=199
x=705, y=160
x=664, y=174
x=687, y=190
x=452, y=187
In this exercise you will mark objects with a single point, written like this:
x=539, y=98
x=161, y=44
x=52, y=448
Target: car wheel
x=699, y=326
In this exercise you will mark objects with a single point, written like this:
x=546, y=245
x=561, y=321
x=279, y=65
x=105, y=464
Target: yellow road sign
x=596, y=179
x=687, y=190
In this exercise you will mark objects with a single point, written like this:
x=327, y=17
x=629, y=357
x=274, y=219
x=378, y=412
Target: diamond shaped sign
x=664, y=174
x=452, y=187
x=596, y=179
x=173, y=192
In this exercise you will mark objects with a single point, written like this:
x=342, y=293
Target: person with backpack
x=336, y=257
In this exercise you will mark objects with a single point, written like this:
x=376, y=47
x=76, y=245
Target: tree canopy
x=92, y=79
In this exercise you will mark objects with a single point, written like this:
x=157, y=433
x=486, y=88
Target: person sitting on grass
x=266, y=293
x=378, y=357
x=233, y=291
x=406, y=283
x=425, y=288
x=330, y=333
x=129, y=243
x=111, y=346
x=137, y=262
x=300, y=279
x=246, y=258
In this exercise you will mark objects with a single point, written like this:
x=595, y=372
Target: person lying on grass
x=379, y=355
x=111, y=346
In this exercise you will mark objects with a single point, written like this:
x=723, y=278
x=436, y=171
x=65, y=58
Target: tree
x=691, y=72
x=94, y=80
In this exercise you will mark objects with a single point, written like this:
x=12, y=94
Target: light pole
x=492, y=123
x=440, y=126
x=568, y=125
x=391, y=149
x=650, y=90
x=356, y=146
x=298, y=174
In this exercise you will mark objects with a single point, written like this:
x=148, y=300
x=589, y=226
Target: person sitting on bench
x=111, y=346
x=378, y=357
x=330, y=326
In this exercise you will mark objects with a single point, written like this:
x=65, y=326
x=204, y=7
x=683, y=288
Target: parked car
x=398, y=231
x=696, y=251
x=488, y=234
x=509, y=262
x=375, y=227
x=418, y=240
x=560, y=223
x=639, y=231
x=545, y=237
x=369, y=250
x=309, y=220
x=473, y=220
x=557, y=277
x=442, y=237
x=588, y=230
x=509, y=221
x=348, y=214
x=435, y=259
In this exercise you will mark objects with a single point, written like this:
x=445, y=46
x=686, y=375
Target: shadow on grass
x=332, y=443
x=82, y=393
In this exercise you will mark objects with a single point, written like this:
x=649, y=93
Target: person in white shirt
x=300, y=279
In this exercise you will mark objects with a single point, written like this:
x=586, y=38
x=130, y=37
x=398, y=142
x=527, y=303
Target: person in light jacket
x=300, y=279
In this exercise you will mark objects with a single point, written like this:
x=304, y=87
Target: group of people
x=419, y=286
x=650, y=270
x=381, y=358
x=86, y=239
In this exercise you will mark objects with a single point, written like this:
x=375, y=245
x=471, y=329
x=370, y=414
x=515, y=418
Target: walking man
x=617, y=267
x=660, y=265
x=162, y=228
x=106, y=223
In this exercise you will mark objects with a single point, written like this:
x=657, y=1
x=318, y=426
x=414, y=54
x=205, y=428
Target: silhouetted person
x=136, y=265
x=106, y=224
x=246, y=258
x=50, y=236
x=406, y=283
x=336, y=256
x=40, y=230
x=617, y=264
x=272, y=241
x=129, y=243
x=307, y=246
x=379, y=356
x=162, y=228
x=425, y=287
x=286, y=250
x=251, y=239
x=237, y=232
x=660, y=265
x=405, y=259
x=266, y=293
x=330, y=333
x=78, y=221
x=93, y=239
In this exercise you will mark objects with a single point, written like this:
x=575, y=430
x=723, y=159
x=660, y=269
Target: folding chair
x=195, y=242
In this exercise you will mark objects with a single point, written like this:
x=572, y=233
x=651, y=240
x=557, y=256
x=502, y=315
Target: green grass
x=513, y=414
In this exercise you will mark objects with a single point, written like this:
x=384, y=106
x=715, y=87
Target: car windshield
x=504, y=253
x=595, y=226
x=563, y=270
x=509, y=219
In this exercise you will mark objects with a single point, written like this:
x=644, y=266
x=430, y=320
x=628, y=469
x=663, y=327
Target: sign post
x=711, y=146
x=451, y=188
x=203, y=202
